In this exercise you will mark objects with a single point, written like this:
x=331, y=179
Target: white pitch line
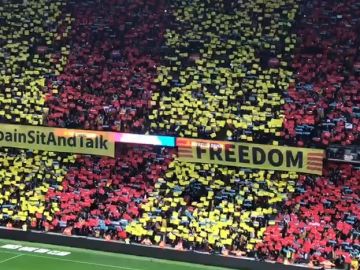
x=88, y=263
x=11, y=258
x=68, y=260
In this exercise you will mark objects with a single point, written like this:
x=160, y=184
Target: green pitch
x=13, y=258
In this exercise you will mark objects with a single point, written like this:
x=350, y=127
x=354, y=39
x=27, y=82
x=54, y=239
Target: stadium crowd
x=323, y=105
x=320, y=223
x=108, y=79
x=228, y=67
x=275, y=72
x=101, y=196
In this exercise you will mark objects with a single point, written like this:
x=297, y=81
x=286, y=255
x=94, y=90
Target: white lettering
x=42, y=250
x=58, y=253
x=36, y=250
x=9, y=246
x=28, y=249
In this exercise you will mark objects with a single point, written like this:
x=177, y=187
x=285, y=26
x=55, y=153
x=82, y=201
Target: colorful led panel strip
x=145, y=139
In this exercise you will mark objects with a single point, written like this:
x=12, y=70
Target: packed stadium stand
x=108, y=80
x=101, y=196
x=227, y=69
x=324, y=101
x=32, y=52
x=320, y=221
x=274, y=72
